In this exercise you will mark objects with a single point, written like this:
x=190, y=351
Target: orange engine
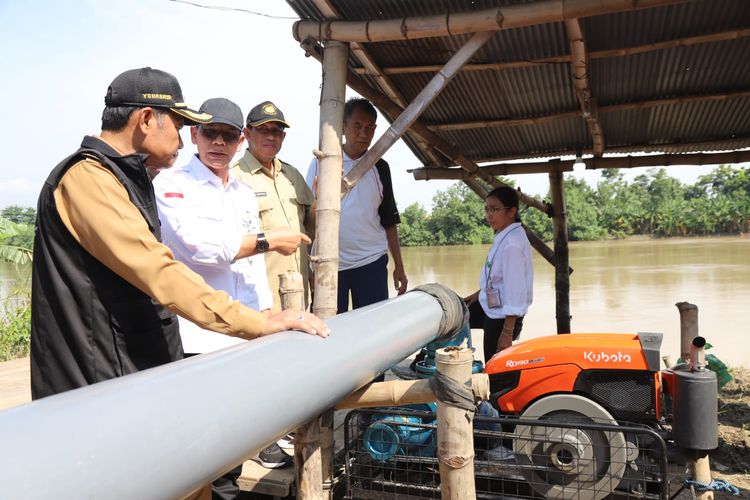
x=618, y=371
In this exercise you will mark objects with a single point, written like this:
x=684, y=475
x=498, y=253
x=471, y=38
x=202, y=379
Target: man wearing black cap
x=100, y=272
x=284, y=199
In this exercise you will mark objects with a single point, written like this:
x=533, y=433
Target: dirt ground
x=731, y=460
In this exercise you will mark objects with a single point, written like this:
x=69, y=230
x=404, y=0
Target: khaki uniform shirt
x=284, y=200
x=96, y=209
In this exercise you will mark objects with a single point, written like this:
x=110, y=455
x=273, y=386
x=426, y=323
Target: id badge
x=493, y=298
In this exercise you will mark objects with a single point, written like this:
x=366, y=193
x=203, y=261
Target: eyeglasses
x=274, y=131
x=494, y=210
x=228, y=136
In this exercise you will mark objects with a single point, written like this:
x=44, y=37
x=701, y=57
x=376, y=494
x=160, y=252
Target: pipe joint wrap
x=455, y=313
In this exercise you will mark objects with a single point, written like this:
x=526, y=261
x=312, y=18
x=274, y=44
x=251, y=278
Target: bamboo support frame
x=722, y=36
x=422, y=131
x=417, y=106
x=560, y=235
x=659, y=160
x=580, y=65
x=455, y=448
x=506, y=17
x=406, y=392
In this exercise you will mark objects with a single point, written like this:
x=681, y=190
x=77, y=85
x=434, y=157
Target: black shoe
x=273, y=457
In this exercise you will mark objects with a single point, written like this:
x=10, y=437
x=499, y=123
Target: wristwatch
x=261, y=244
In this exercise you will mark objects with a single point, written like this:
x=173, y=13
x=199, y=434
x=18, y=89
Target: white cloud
x=17, y=186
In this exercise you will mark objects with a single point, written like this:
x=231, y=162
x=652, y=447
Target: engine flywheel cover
x=570, y=463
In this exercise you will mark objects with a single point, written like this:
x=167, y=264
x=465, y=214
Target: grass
x=15, y=322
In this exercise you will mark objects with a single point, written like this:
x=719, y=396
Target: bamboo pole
x=407, y=392
x=417, y=106
x=506, y=17
x=688, y=328
x=659, y=160
x=422, y=131
x=330, y=163
x=455, y=430
x=318, y=434
x=579, y=61
x=722, y=36
x=292, y=291
x=307, y=452
x=560, y=235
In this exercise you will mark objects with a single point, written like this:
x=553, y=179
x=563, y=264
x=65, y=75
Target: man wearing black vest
x=100, y=273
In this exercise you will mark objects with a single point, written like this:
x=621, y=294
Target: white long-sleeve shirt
x=203, y=223
x=509, y=270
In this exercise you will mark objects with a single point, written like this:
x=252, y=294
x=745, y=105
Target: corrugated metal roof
x=709, y=68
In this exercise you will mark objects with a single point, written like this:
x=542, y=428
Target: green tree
x=16, y=241
x=458, y=217
x=413, y=230
x=19, y=215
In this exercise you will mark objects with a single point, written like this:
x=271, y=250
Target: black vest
x=87, y=323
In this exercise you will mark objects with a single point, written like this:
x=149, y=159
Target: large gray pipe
x=166, y=431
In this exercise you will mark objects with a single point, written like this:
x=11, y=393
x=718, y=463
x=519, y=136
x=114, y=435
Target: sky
x=58, y=59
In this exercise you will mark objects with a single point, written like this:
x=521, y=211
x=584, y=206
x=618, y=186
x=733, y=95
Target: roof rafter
x=658, y=160
x=580, y=65
x=565, y=59
x=505, y=17
x=383, y=81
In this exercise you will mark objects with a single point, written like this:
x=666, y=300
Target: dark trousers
x=492, y=328
x=367, y=284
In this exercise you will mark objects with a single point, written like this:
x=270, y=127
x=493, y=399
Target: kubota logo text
x=604, y=357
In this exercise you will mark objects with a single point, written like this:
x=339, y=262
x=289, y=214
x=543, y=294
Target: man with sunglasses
x=283, y=197
x=104, y=288
x=210, y=221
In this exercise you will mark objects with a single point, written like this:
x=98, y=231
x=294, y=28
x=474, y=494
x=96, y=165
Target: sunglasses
x=228, y=136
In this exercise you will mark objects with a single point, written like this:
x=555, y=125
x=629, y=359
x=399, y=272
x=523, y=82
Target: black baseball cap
x=265, y=112
x=223, y=111
x=147, y=87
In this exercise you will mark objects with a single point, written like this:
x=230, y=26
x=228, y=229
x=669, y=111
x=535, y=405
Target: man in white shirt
x=210, y=221
x=369, y=218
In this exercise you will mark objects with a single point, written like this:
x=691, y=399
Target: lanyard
x=491, y=258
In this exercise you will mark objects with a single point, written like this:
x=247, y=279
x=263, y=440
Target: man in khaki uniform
x=284, y=200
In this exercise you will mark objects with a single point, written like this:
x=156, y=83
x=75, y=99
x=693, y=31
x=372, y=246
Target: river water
x=617, y=286
x=624, y=286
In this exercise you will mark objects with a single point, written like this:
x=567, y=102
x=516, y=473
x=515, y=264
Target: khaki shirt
x=96, y=209
x=284, y=200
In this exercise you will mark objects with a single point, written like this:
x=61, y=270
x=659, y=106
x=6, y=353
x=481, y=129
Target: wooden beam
x=722, y=36
x=560, y=236
x=359, y=51
x=579, y=61
x=658, y=160
x=667, y=160
x=428, y=94
x=506, y=17
x=418, y=128
x=539, y=120
x=542, y=167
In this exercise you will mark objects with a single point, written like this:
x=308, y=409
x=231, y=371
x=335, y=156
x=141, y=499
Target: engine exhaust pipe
x=698, y=354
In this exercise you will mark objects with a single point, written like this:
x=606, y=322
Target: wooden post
x=319, y=432
x=455, y=430
x=700, y=470
x=560, y=234
x=688, y=328
x=406, y=392
x=292, y=291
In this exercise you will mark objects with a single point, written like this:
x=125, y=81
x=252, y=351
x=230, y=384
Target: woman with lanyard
x=506, y=281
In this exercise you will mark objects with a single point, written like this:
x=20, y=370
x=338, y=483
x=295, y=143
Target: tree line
x=652, y=204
